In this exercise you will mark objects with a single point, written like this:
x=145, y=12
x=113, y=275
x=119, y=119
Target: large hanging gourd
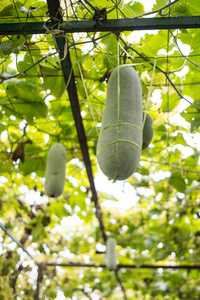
x=120, y=141
x=55, y=170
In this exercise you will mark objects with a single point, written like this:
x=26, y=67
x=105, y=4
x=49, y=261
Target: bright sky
x=148, y=4
x=121, y=190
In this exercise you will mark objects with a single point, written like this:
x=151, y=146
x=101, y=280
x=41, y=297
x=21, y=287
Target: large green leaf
x=26, y=99
x=178, y=182
x=53, y=80
x=57, y=208
x=169, y=102
x=10, y=10
x=24, y=90
x=38, y=231
x=6, y=164
x=110, y=43
x=133, y=9
x=35, y=159
x=193, y=115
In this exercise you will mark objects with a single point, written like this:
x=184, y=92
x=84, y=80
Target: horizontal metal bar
x=124, y=266
x=103, y=25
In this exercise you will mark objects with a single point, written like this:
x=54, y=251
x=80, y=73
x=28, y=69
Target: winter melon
x=147, y=131
x=55, y=170
x=111, y=254
x=120, y=140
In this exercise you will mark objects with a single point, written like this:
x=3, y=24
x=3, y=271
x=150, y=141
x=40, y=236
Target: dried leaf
x=19, y=152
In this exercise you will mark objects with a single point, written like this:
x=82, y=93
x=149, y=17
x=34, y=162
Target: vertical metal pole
x=39, y=279
x=61, y=43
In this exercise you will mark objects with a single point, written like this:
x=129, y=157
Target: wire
x=157, y=10
x=162, y=71
x=185, y=56
x=9, y=233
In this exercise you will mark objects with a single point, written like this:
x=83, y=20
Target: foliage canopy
x=160, y=226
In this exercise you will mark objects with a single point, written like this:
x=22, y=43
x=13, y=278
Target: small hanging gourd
x=120, y=141
x=111, y=254
x=147, y=131
x=55, y=170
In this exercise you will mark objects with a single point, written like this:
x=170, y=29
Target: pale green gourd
x=55, y=170
x=147, y=131
x=111, y=254
x=120, y=141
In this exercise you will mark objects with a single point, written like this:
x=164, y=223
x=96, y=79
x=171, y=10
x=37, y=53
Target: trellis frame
x=102, y=25
x=120, y=25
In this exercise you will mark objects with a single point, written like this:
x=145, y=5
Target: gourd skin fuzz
x=55, y=170
x=147, y=131
x=111, y=254
x=120, y=140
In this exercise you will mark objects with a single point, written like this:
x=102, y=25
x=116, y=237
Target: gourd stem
x=149, y=94
x=86, y=92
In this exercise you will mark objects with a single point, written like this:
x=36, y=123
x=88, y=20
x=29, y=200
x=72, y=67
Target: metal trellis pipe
x=61, y=43
x=102, y=25
x=125, y=266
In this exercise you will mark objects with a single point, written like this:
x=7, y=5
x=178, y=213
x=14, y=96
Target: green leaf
x=133, y=9
x=169, y=102
x=25, y=98
x=179, y=139
x=193, y=119
x=143, y=171
x=6, y=164
x=34, y=161
x=7, y=10
x=10, y=10
x=181, y=9
x=160, y=254
x=23, y=90
x=4, y=3
x=152, y=43
x=192, y=160
x=110, y=43
x=57, y=208
x=101, y=4
x=148, y=243
x=53, y=80
x=159, y=4
x=177, y=181
x=155, y=211
x=37, y=231
x=196, y=105
x=3, y=127
x=193, y=115
x=6, y=47
x=195, y=5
